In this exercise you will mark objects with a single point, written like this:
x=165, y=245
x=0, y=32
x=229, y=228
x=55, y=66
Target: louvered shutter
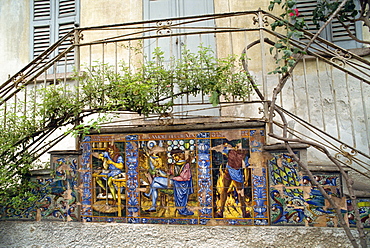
x=339, y=35
x=334, y=32
x=52, y=19
x=66, y=20
x=41, y=30
x=306, y=9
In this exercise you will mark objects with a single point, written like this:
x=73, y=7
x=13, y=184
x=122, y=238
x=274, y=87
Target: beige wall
x=103, y=12
x=222, y=6
x=15, y=51
x=15, y=33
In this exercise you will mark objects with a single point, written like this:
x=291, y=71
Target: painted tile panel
x=295, y=201
x=55, y=196
x=204, y=177
x=363, y=205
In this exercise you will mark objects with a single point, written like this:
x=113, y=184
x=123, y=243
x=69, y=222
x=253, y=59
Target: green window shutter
x=339, y=33
x=305, y=9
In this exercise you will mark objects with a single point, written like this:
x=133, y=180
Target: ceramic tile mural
x=213, y=177
x=363, y=205
x=295, y=201
x=57, y=195
x=202, y=177
x=62, y=203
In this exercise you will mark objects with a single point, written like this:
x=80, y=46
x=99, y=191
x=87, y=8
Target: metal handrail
x=140, y=29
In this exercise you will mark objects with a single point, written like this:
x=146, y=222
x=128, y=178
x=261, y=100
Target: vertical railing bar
x=34, y=100
x=202, y=95
x=282, y=91
x=103, y=70
x=171, y=64
x=231, y=40
x=365, y=114
x=77, y=62
x=320, y=94
x=90, y=64
x=45, y=85
x=116, y=57
x=335, y=101
x=55, y=73
x=294, y=96
x=187, y=95
x=350, y=111
x=25, y=101
x=15, y=103
x=171, y=49
x=65, y=76
x=90, y=56
x=5, y=108
x=178, y=51
x=103, y=54
x=246, y=56
x=263, y=65
x=129, y=55
x=157, y=63
x=307, y=94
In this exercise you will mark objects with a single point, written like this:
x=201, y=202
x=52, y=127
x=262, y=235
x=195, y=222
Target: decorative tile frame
x=295, y=201
x=176, y=178
x=56, y=191
x=363, y=205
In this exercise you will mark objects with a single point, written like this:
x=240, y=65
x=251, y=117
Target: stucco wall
x=15, y=33
x=72, y=234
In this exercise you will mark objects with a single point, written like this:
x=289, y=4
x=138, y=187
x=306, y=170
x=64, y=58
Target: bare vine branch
x=273, y=109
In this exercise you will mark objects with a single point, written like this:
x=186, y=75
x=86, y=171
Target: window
x=161, y=9
x=51, y=20
x=334, y=32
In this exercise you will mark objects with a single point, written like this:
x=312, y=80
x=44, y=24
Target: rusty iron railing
x=325, y=100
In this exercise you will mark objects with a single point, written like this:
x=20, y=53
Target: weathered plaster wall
x=15, y=33
x=15, y=44
x=72, y=234
x=102, y=12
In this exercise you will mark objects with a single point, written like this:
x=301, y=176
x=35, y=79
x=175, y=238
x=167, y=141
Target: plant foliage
x=150, y=89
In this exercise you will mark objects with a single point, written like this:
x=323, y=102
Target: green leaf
x=271, y=49
x=214, y=98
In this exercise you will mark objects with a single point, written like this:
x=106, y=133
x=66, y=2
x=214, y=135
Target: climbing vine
x=292, y=24
x=155, y=84
x=150, y=89
x=289, y=21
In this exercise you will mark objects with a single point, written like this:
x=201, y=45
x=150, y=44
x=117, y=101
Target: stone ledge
x=77, y=234
x=281, y=146
x=199, y=125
